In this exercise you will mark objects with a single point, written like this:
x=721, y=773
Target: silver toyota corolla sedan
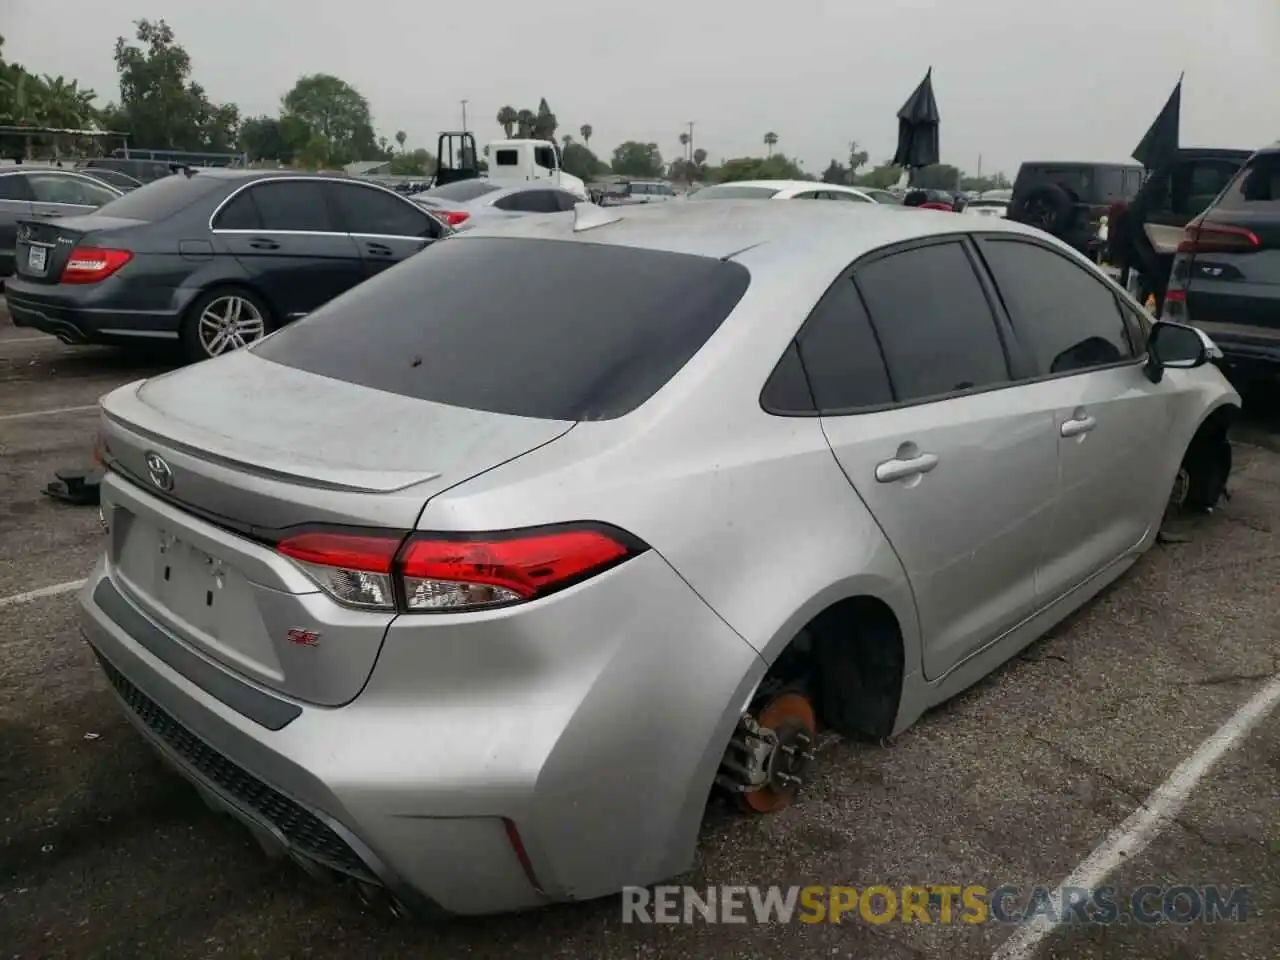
x=474, y=591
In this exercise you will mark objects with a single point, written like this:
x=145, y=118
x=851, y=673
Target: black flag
x=1160, y=143
x=918, y=127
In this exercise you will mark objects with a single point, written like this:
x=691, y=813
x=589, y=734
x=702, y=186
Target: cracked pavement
x=105, y=853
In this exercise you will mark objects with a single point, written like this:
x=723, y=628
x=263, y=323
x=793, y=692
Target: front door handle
x=1078, y=426
x=264, y=245
x=896, y=469
x=49, y=216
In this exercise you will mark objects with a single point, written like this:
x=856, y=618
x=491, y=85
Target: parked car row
x=399, y=586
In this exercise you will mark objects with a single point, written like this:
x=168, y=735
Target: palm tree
x=566, y=140
x=401, y=137
x=770, y=141
x=507, y=118
x=64, y=104
x=684, y=144
x=525, y=122
x=699, y=156
x=586, y=132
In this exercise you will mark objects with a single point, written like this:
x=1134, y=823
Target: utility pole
x=689, y=151
x=464, y=115
x=979, y=166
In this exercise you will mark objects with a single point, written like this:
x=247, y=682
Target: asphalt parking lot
x=106, y=853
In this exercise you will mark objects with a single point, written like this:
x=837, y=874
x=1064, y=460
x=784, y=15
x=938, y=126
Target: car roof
x=817, y=232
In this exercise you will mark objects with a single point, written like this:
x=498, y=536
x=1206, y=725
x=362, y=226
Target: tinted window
x=1256, y=187
x=847, y=197
x=13, y=187
x=240, y=214
x=368, y=210
x=734, y=191
x=461, y=191
x=1191, y=187
x=1067, y=319
x=57, y=188
x=787, y=390
x=161, y=199
x=840, y=354
x=530, y=201
x=576, y=331
x=292, y=205
x=545, y=157
x=506, y=158
x=933, y=322
x=811, y=195
x=114, y=177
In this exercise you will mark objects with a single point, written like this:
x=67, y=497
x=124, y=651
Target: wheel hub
x=769, y=755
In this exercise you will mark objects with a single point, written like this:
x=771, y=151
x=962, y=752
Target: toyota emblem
x=160, y=472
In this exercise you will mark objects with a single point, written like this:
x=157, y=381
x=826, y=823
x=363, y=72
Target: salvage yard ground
x=105, y=853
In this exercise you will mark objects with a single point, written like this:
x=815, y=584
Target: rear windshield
x=1256, y=187
x=460, y=191
x=734, y=191
x=162, y=198
x=575, y=331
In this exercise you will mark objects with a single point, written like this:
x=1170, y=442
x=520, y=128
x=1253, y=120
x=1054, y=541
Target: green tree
x=414, y=163
x=857, y=158
x=525, y=119
x=885, y=175
x=64, y=104
x=160, y=105
x=401, y=137
x=585, y=131
x=336, y=116
x=635, y=159
x=836, y=172
x=272, y=138
x=684, y=144
x=508, y=117
x=580, y=161
x=770, y=141
x=544, y=122
x=775, y=167
x=940, y=176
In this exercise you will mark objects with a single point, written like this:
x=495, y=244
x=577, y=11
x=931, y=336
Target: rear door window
x=293, y=206
x=69, y=190
x=841, y=355
x=530, y=201
x=370, y=211
x=1068, y=320
x=575, y=331
x=932, y=319
x=241, y=213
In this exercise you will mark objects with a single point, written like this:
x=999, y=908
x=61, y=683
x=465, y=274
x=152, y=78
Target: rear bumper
x=596, y=730
x=89, y=316
x=1245, y=348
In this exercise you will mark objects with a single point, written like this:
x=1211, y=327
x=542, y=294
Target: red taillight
x=455, y=572
x=1206, y=237
x=454, y=217
x=446, y=573
x=91, y=264
x=355, y=569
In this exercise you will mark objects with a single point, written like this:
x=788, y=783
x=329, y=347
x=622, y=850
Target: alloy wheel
x=229, y=323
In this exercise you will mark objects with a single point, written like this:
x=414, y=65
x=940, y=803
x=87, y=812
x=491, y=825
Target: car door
x=57, y=194
x=956, y=462
x=15, y=205
x=283, y=234
x=1112, y=423
x=385, y=227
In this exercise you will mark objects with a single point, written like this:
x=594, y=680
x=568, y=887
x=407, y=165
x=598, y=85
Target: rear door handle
x=378, y=249
x=49, y=216
x=264, y=245
x=892, y=470
x=1078, y=426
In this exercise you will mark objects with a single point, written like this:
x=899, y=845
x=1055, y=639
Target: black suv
x=1069, y=200
x=1144, y=234
x=1226, y=271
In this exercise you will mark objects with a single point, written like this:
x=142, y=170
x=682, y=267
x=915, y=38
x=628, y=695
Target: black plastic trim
x=263, y=709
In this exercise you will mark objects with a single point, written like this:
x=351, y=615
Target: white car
x=987, y=208
x=782, y=190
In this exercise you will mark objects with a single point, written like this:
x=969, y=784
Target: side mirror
x=1176, y=346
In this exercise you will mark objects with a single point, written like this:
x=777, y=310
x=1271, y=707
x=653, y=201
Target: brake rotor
x=792, y=719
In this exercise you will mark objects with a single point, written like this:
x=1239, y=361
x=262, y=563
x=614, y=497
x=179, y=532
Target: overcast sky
x=1015, y=79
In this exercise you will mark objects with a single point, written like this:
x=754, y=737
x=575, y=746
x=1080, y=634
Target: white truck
x=510, y=162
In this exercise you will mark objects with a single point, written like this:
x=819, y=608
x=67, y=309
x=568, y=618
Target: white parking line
x=48, y=413
x=8, y=340
x=52, y=591
x=1143, y=825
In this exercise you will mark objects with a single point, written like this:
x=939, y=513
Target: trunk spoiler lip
x=348, y=479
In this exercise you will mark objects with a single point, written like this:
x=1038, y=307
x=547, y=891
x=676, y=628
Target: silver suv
x=471, y=586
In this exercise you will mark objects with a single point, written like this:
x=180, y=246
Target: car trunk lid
x=43, y=248
x=211, y=465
